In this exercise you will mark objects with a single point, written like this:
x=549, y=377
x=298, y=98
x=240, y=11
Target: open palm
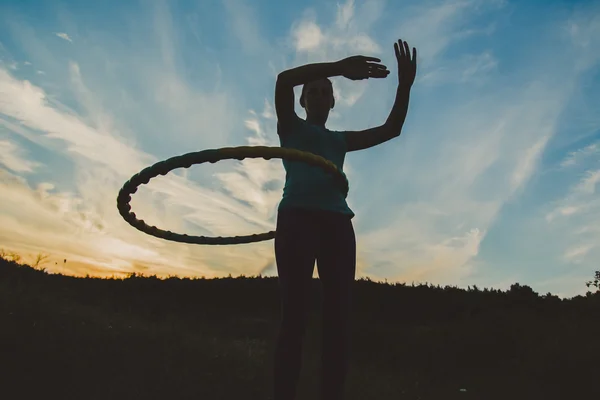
x=407, y=66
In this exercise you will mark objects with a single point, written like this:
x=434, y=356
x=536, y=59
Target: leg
x=295, y=254
x=336, y=263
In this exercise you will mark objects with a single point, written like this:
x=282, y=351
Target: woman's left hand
x=407, y=66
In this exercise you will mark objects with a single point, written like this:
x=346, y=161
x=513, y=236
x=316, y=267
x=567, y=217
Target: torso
x=309, y=186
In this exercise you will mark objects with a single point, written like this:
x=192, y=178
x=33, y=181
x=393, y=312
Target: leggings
x=303, y=237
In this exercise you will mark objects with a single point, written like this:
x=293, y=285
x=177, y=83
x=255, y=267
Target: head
x=317, y=99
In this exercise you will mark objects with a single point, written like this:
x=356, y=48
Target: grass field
x=145, y=338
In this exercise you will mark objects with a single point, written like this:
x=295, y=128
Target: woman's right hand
x=362, y=67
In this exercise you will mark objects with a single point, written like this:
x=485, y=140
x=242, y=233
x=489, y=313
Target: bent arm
x=309, y=72
x=359, y=140
x=287, y=80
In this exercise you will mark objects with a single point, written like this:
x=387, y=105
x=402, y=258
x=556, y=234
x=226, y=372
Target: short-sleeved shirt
x=308, y=186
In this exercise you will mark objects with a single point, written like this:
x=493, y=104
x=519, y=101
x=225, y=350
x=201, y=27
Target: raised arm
x=360, y=140
x=407, y=68
x=354, y=67
x=287, y=80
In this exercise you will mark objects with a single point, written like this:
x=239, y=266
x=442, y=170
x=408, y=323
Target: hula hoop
x=212, y=156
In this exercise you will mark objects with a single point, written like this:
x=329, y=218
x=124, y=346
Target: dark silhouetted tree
x=595, y=282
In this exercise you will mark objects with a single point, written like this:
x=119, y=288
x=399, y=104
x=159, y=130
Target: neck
x=316, y=120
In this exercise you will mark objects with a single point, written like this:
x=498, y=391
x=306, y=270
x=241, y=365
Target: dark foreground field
x=146, y=338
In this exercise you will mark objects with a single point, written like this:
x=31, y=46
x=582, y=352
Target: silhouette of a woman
x=314, y=220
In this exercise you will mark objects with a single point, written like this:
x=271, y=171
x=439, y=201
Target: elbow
x=287, y=78
x=283, y=78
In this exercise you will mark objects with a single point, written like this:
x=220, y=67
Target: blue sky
x=494, y=180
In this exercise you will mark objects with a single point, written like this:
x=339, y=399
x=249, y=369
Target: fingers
x=397, y=51
x=380, y=74
x=378, y=71
x=402, y=51
x=377, y=67
x=375, y=59
x=414, y=56
x=372, y=62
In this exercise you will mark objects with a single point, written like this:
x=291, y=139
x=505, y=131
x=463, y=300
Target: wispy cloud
x=64, y=36
x=244, y=23
x=573, y=218
x=447, y=22
x=577, y=215
x=576, y=254
x=580, y=155
x=11, y=156
x=469, y=69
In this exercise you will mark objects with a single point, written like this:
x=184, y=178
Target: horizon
x=493, y=181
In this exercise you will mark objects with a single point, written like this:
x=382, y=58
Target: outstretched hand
x=407, y=67
x=362, y=67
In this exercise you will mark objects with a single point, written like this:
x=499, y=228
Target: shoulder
x=340, y=137
x=290, y=126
